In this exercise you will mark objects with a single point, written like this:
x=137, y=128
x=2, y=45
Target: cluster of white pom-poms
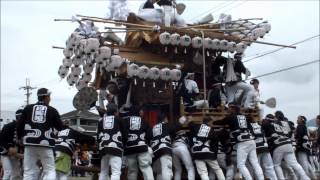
x=153, y=73
x=82, y=55
x=197, y=42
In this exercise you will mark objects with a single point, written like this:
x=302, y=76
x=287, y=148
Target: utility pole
x=27, y=88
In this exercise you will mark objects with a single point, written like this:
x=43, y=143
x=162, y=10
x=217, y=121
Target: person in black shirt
x=181, y=153
x=66, y=146
x=110, y=145
x=246, y=146
x=204, y=149
x=318, y=134
x=161, y=139
x=263, y=153
x=135, y=145
x=36, y=128
x=281, y=146
x=303, y=149
x=8, y=150
x=234, y=69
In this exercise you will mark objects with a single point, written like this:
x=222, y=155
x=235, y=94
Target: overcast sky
x=28, y=32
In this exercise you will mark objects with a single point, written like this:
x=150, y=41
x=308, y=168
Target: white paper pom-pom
x=75, y=70
x=165, y=74
x=88, y=68
x=63, y=71
x=105, y=52
x=116, y=62
x=77, y=40
x=143, y=72
x=232, y=46
x=246, y=32
x=265, y=26
x=175, y=74
x=235, y=26
x=67, y=62
x=223, y=44
x=70, y=80
x=185, y=40
x=132, y=70
x=197, y=42
x=241, y=47
x=86, y=77
x=165, y=38
x=261, y=32
x=77, y=60
x=67, y=53
x=216, y=44
x=241, y=36
x=175, y=39
x=247, y=24
x=92, y=45
x=154, y=73
x=81, y=84
x=207, y=43
x=236, y=33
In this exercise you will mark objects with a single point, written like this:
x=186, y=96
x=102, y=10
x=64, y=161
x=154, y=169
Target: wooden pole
x=57, y=47
x=272, y=44
x=62, y=19
x=119, y=23
x=213, y=24
x=222, y=30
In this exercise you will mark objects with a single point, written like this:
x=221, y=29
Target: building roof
x=80, y=114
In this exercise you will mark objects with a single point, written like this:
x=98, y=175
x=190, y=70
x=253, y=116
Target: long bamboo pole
x=272, y=44
x=57, y=47
x=96, y=19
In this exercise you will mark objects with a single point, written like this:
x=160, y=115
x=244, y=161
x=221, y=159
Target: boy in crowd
x=66, y=146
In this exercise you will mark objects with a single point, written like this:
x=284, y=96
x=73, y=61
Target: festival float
x=147, y=65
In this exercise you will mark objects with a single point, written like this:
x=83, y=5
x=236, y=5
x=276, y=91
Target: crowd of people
x=38, y=145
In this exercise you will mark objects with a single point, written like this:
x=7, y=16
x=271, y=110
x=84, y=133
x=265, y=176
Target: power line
x=214, y=8
x=276, y=50
x=241, y=3
x=286, y=69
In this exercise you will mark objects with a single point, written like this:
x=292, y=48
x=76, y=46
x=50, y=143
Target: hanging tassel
x=144, y=84
x=176, y=50
x=154, y=84
x=111, y=76
x=197, y=53
x=185, y=50
x=92, y=56
x=208, y=54
x=101, y=70
x=165, y=49
x=165, y=85
x=135, y=81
